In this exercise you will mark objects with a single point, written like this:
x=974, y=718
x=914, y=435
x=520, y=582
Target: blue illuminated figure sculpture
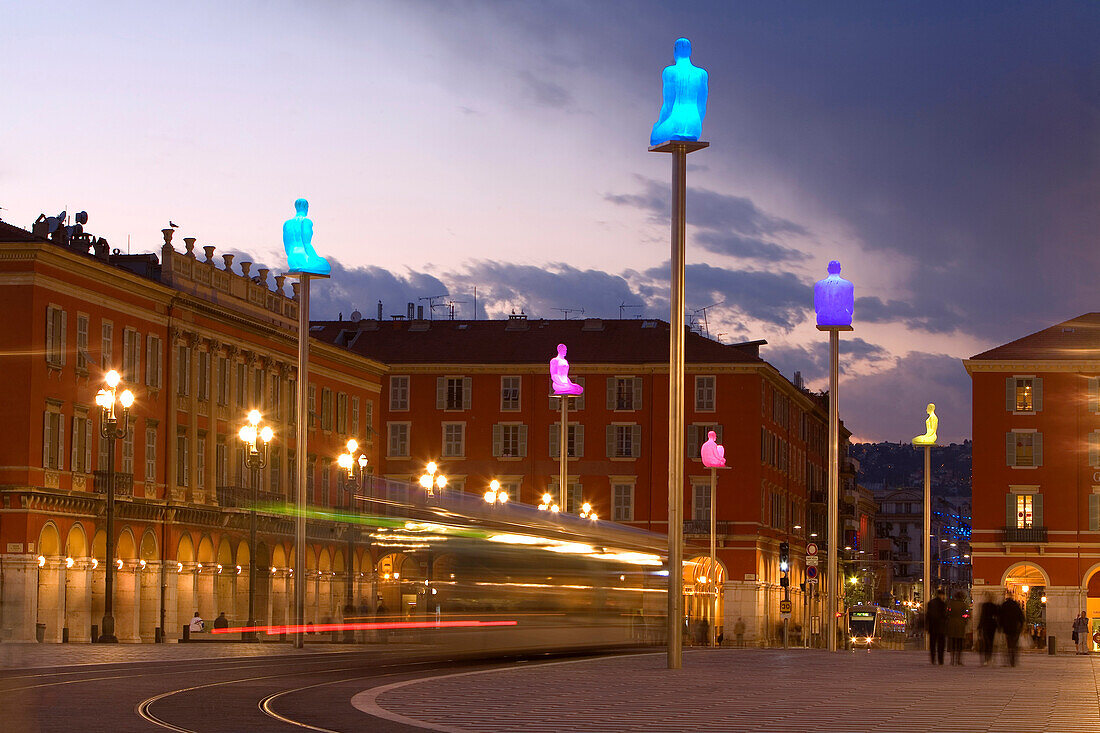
x=298, y=241
x=834, y=299
x=685, y=99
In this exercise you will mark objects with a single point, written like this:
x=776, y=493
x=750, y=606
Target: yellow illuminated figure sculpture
x=930, y=426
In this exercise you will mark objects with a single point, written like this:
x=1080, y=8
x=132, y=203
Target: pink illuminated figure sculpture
x=559, y=375
x=713, y=455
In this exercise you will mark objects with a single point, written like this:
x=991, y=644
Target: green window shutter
x=49, y=335
x=610, y=435
x=88, y=444
x=1010, y=512
x=523, y=441
x=637, y=393
x=46, y=440
x=578, y=441
x=578, y=401
x=64, y=318
x=1037, y=511
x=1037, y=394
x=635, y=441
x=467, y=392
x=1010, y=394
x=718, y=429
x=440, y=393
x=498, y=440
x=1010, y=449
x=555, y=440
x=611, y=384
x=1093, y=383
x=1094, y=448
x=1094, y=512
x=1037, y=442
x=74, y=458
x=60, y=442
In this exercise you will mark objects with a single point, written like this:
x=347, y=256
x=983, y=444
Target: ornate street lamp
x=587, y=512
x=353, y=477
x=257, y=438
x=495, y=495
x=110, y=429
x=433, y=479
x=548, y=504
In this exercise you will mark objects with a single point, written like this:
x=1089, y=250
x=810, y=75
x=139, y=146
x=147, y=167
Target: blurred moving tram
x=875, y=627
x=456, y=573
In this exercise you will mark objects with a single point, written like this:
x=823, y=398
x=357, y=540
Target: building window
x=242, y=385
x=342, y=413
x=624, y=393
x=1024, y=394
x=259, y=384
x=106, y=345
x=183, y=465
x=509, y=394
x=53, y=438
x=276, y=392
x=575, y=437
x=81, y=342
x=131, y=356
x=399, y=393
x=624, y=441
x=101, y=454
x=154, y=370
x=311, y=405
x=704, y=394
x=700, y=501
x=1094, y=512
x=453, y=393
x=128, y=451
x=311, y=469
x=454, y=439
x=574, y=497
x=204, y=376
x=398, y=439
x=55, y=336
x=1024, y=449
x=326, y=408
x=223, y=380
x=779, y=511
x=81, y=459
x=276, y=469
x=696, y=435
x=368, y=425
x=509, y=440
x=150, y=452
x=292, y=393
x=1025, y=511
x=183, y=369
x=622, y=501
x=326, y=474
x=355, y=428
x=200, y=461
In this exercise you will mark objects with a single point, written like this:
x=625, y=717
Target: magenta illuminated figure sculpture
x=559, y=375
x=298, y=242
x=713, y=455
x=834, y=299
x=684, y=103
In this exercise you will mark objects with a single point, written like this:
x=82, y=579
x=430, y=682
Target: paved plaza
x=759, y=690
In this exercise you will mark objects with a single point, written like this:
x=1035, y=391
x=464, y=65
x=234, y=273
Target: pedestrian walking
x=1081, y=633
x=739, y=631
x=987, y=627
x=958, y=613
x=1011, y=620
x=935, y=619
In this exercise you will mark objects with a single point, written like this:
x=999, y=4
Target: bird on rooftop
x=173, y=224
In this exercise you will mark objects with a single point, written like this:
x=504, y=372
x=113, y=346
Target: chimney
x=209, y=250
x=379, y=310
x=420, y=313
x=411, y=311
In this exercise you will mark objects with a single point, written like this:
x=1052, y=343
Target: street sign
x=784, y=606
x=811, y=581
x=811, y=561
x=811, y=548
x=811, y=573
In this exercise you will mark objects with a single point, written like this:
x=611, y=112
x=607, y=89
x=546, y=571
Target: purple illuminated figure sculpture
x=559, y=375
x=298, y=242
x=713, y=455
x=834, y=299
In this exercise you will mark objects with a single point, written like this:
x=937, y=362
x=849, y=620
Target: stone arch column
x=51, y=583
x=78, y=586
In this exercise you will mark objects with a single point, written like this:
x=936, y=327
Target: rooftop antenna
x=567, y=311
x=623, y=306
x=451, y=307
x=434, y=301
x=720, y=335
x=703, y=310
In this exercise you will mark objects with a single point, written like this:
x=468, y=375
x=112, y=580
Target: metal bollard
x=95, y=633
x=186, y=634
x=1050, y=646
x=158, y=635
x=64, y=634
x=40, y=632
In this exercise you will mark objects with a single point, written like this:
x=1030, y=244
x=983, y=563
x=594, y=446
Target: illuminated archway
x=702, y=581
x=76, y=545
x=49, y=541
x=1021, y=577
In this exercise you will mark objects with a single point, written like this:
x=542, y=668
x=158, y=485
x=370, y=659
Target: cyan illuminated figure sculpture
x=713, y=455
x=684, y=99
x=559, y=375
x=931, y=424
x=834, y=299
x=298, y=242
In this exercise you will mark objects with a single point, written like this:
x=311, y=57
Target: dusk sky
x=945, y=153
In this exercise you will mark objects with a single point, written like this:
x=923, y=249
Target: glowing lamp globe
x=113, y=379
x=126, y=398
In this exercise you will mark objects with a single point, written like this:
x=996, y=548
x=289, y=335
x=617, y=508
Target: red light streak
x=362, y=626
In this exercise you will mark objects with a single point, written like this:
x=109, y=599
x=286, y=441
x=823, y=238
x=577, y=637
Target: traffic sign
x=784, y=606
x=811, y=561
x=811, y=548
x=811, y=573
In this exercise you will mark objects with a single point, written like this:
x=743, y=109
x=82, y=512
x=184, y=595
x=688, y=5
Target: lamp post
x=107, y=398
x=495, y=495
x=548, y=504
x=432, y=479
x=355, y=472
x=256, y=438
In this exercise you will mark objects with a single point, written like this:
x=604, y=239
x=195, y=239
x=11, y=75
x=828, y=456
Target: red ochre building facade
x=1036, y=485
x=201, y=343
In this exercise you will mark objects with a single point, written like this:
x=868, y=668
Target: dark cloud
x=813, y=360
x=546, y=92
x=934, y=317
x=749, y=248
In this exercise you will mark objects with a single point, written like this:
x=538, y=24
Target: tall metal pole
x=834, y=481
x=679, y=150
x=713, y=559
x=563, y=452
x=302, y=462
x=252, y=556
x=927, y=544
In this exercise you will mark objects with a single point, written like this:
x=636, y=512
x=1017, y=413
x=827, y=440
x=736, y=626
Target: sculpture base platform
x=835, y=328
x=673, y=146
x=313, y=276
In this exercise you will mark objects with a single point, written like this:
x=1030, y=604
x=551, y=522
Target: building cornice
x=1031, y=365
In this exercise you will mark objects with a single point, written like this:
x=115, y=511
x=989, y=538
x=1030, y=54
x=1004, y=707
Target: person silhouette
x=298, y=242
x=684, y=95
x=559, y=375
x=834, y=299
x=713, y=455
x=930, y=426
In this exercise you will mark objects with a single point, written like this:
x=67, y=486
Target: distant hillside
x=895, y=465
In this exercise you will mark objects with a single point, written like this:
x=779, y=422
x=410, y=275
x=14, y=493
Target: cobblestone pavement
x=760, y=690
x=19, y=656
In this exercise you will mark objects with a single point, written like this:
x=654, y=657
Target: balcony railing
x=1029, y=534
x=701, y=528
x=242, y=497
x=124, y=483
